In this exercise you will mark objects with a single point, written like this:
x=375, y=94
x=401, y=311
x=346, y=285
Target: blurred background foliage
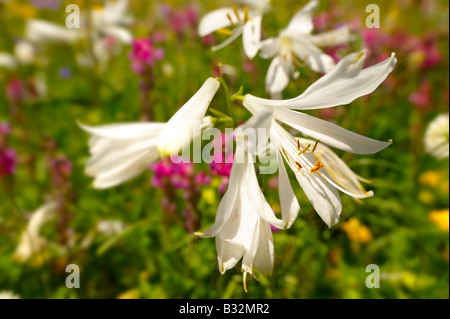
x=152, y=254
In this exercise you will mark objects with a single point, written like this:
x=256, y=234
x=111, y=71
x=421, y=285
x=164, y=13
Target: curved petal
x=322, y=195
x=334, y=37
x=343, y=84
x=278, y=75
x=228, y=254
x=126, y=170
x=124, y=131
x=218, y=19
x=329, y=133
x=42, y=31
x=227, y=204
x=265, y=254
x=313, y=57
x=251, y=36
x=288, y=201
x=182, y=127
x=269, y=47
x=302, y=20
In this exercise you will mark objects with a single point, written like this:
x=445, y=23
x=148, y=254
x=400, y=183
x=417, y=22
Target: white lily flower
x=436, y=137
x=346, y=82
x=294, y=45
x=31, y=241
x=245, y=21
x=122, y=151
x=110, y=20
x=242, y=227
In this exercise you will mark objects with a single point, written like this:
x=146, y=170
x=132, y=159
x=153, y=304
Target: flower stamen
x=316, y=167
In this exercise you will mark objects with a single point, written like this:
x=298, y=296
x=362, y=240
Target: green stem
x=229, y=103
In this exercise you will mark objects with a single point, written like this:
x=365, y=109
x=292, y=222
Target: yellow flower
x=356, y=231
x=440, y=218
x=22, y=10
x=431, y=178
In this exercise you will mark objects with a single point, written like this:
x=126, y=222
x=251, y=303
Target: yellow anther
x=236, y=13
x=315, y=145
x=316, y=167
x=304, y=150
x=298, y=165
x=298, y=145
x=224, y=31
x=245, y=281
x=245, y=14
x=231, y=20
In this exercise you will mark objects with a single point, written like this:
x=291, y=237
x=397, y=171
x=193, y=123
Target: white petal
x=227, y=204
x=313, y=57
x=42, y=31
x=338, y=170
x=227, y=254
x=329, y=133
x=125, y=170
x=265, y=254
x=278, y=75
x=120, y=33
x=256, y=197
x=323, y=196
x=218, y=19
x=343, y=84
x=270, y=47
x=334, y=37
x=302, y=20
x=182, y=127
x=251, y=36
x=288, y=201
x=125, y=131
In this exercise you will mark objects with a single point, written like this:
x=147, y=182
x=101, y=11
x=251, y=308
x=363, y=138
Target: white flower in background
x=242, y=226
x=8, y=295
x=24, y=53
x=122, y=151
x=436, y=137
x=31, y=241
x=296, y=45
x=110, y=227
x=344, y=83
x=111, y=20
x=106, y=29
x=245, y=21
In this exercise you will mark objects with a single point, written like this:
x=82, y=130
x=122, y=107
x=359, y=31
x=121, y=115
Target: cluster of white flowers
x=244, y=218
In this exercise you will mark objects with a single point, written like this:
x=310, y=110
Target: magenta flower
x=222, y=162
x=144, y=55
x=8, y=160
x=5, y=128
x=179, y=175
x=422, y=97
